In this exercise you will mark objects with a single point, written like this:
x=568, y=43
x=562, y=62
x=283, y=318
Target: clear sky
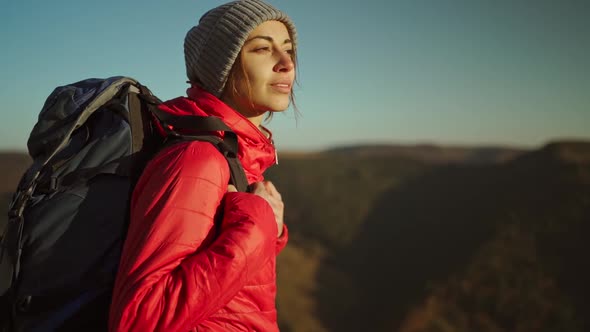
x=466, y=72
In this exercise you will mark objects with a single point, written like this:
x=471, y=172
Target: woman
x=200, y=256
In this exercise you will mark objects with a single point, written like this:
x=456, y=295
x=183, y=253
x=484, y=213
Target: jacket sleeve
x=174, y=272
x=282, y=240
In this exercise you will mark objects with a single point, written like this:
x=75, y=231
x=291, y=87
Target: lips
x=283, y=86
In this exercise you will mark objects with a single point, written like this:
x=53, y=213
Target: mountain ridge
x=404, y=238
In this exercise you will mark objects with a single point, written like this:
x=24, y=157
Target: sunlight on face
x=267, y=63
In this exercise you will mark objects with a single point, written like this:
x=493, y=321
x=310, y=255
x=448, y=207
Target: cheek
x=259, y=73
x=256, y=79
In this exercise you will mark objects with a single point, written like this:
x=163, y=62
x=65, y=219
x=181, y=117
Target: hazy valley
x=427, y=238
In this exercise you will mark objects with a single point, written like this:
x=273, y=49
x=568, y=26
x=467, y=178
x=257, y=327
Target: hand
x=268, y=191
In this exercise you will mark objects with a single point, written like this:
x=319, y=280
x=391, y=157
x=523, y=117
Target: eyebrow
x=270, y=39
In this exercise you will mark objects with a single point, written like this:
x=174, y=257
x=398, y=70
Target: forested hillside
x=400, y=245
x=429, y=239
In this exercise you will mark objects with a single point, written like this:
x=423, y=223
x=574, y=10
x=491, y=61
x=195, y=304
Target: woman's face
x=267, y=62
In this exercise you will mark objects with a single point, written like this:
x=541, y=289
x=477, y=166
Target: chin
x=282, y=104
x=280, y=108
x=277, y=105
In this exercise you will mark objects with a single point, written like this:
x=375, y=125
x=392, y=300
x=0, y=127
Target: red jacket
x=197, y=258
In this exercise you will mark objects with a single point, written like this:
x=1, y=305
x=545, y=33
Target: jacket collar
x=255, y=150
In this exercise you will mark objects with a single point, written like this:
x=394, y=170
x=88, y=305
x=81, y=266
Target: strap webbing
x=237, y=174
x=192, y=122
x=137, y=122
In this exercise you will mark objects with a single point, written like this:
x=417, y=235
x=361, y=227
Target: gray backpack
x=68, y=218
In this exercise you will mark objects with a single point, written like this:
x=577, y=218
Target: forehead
x=274, y=29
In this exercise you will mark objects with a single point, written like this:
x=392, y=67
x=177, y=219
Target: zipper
x=272, y=141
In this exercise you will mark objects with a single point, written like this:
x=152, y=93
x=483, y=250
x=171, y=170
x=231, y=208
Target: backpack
x=68, y=217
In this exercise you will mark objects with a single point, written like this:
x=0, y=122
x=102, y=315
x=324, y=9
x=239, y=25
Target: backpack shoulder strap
x=228, y=146
x=237, y=174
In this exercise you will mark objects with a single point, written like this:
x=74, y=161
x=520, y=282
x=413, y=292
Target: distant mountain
x=433, y=153
x=440, y=247
x=576, y=152
x=427, y=238
x=12, y=165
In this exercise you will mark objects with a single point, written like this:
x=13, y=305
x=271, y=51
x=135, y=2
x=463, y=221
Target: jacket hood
x=255, y=151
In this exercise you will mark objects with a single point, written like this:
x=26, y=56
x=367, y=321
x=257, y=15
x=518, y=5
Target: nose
x=284, y=63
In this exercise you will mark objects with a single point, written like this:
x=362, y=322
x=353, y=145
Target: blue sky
x=457, y=72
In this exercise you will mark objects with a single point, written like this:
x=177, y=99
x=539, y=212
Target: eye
x=262, y=49
x=291, y=52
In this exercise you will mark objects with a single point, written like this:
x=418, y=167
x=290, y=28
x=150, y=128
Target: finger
x=258, y=188
x=272, y=189
x=261, y=191
x=275, y=202
x=231, y=188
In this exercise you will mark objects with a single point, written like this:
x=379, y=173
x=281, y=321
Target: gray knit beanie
x=211, y=47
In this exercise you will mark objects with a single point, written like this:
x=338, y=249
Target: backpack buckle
x=17, y=206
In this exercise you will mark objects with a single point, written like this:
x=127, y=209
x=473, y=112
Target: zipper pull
x=272, y=141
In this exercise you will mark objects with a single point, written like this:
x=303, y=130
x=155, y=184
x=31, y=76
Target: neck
x=255, y=119
x=252, y=116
